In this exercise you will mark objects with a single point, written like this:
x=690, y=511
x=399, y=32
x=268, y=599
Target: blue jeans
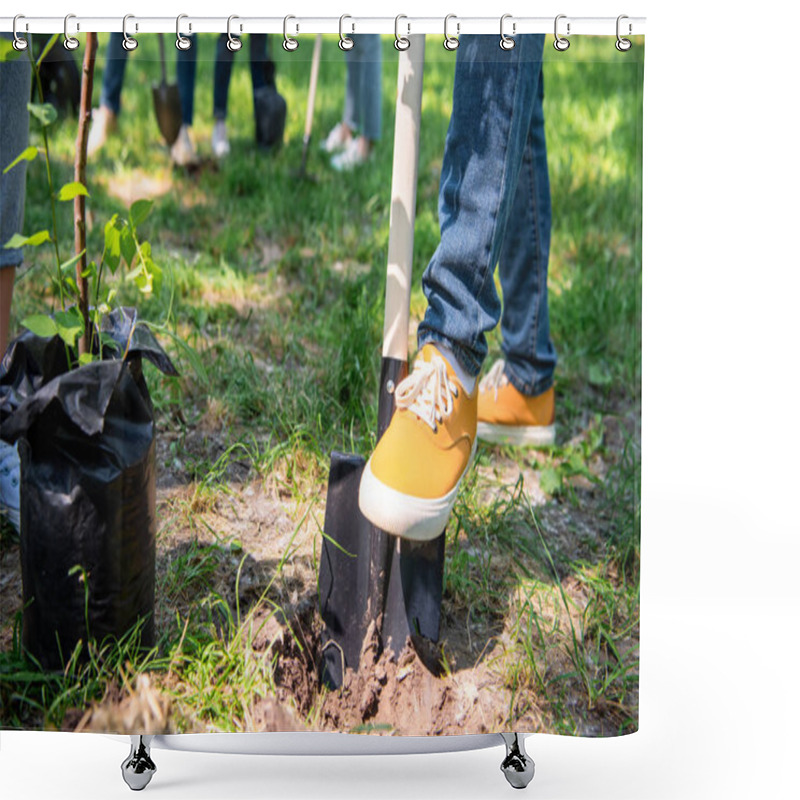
x=15, y=92
x=114, y=75
x=262, y=70
x=362, y=100
x=494, y=207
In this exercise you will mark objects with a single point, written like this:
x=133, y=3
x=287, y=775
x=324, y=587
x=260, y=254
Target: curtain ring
x=128, y=43
x=234, y=43
x=401, y=42
x=451, y=42
x=70, y=42
x=561, y=44
x=19, y=43
x=289, y=44
x=345, y=42
x=182, y=42
x=623, y=45
x=506, y=42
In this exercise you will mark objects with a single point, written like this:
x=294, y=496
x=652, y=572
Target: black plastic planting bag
x=86, y=440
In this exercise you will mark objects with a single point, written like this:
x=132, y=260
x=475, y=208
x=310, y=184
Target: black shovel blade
x=167, y=103
x=343, y=570
x=414, y=596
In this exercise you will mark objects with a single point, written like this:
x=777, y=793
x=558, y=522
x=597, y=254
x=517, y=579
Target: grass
x=278, y=286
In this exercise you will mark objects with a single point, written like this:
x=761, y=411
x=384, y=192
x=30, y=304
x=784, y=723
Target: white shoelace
x=428, y=392
x=495, y=378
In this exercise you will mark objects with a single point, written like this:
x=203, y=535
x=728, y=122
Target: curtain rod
x=297, y=25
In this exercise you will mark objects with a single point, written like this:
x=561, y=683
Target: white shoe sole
x=418, y=519
x=531, y=435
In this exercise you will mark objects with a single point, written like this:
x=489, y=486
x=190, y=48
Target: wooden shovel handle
x=163, y=59
x=405, y=167
x=312, y=89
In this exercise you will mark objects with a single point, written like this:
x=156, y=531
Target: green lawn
x=278, y=285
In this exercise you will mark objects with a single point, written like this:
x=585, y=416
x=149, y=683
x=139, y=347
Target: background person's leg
x=529, y=353
x=223, y=69
x=113, y=74
x=104, y=118
x=494, y=93
x=186, y=73
x=262, y=67
x=369, y=87
x=182, y=151
x=362, y=117
x=15, y=92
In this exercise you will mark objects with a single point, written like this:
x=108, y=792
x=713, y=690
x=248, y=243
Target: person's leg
x=262, y=67
x=493, y=96
x=351, y=90
x=113, y=74
x=361, y=125
x=186, y=69
x=223, y=68
x=182, y=150
x=529, y=353
x=104, y=118
x=369, y=90
x=411, y=481
x=15, y=92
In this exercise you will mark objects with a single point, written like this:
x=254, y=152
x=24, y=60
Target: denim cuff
x=11, y=257
x=529, y=389
x=466, y=360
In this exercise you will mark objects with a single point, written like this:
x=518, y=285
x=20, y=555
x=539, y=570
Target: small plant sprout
x=79, y=283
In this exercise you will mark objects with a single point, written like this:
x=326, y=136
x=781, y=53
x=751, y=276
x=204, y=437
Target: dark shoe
x=270, y=113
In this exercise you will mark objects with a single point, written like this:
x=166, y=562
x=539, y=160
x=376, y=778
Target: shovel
x=167, y=102
x=368, y=580
x=312, y=94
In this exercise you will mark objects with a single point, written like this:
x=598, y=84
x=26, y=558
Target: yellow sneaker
x=410, y=483
x=506, y=416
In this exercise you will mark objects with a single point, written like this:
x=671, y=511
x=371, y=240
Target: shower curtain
x=240, y=200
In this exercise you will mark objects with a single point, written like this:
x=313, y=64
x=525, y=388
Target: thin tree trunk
x=84, y=119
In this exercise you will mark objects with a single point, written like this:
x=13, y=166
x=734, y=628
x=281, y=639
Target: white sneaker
x=104, y=123
x=219, y=139
x=183, y=152
x=337, y=139
x=351, y=157
x=9, y=483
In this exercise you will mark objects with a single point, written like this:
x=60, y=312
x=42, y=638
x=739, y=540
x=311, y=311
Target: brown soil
x=278, y=532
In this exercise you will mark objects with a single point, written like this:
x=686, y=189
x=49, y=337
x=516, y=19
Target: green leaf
x=127, y=244
x=28, y=154
x=109, y=342
x=69, y=283
x=90, y=271
x=47, y=48
x=111, y=252
x=156, y=274
x=67, y=265
x=69, y=191
x=41, y=325
x=85, y=358
x=44, y=112
x=550, y=481
x=69, y=325
x=139, y=212
x=7, y=51
x=34, y=240
x=17, y=240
